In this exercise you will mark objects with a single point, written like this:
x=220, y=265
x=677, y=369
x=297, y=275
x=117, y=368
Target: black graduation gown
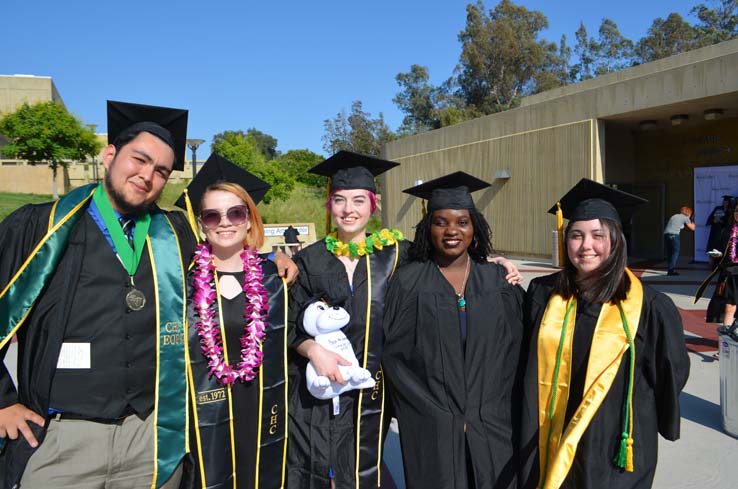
x=661, y=370
x=718, y=220
x=245, y=397
x=41, y=337
x=318, y=440
x=456, y=410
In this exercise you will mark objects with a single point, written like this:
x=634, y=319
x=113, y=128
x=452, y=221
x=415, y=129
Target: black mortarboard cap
x=349, y=170
x=589, y=200
x=169, y=125
x=727, y=197
x=218, y=169
x=452, y=191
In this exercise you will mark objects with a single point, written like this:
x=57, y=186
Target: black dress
x=661, y=370
x=323, y=440
x=456, y=404
x=211, y=444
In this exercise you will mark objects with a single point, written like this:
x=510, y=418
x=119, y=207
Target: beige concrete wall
x=31, y=179
x=15, y=90
x=543, y=165
x=682, y=60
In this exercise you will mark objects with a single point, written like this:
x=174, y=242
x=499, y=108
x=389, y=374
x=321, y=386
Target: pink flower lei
x=733, y=241
x=208, y=329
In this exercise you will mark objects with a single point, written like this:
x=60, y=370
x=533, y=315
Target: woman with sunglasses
x=606, y=358
x=237, y=344
x=453, y=334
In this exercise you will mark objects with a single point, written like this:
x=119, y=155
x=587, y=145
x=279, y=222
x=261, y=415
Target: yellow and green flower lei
x=375, y=241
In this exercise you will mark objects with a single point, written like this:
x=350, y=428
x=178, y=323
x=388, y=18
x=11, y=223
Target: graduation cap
x=218, y=169
x=452, y=191
x=349, y=170
x=589, y=200
x=169, y=125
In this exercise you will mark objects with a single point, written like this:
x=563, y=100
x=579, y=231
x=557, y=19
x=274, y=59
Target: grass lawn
x=10, y=202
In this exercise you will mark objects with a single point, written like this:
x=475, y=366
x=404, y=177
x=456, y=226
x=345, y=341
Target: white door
x=710, y=184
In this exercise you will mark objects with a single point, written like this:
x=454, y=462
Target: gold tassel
x=560, y=232
x=191, y=216
x=423, y=209
x=327, y=212
x=629, y=456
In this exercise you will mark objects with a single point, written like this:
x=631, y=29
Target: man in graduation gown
x=451, y=357
x=593, y=409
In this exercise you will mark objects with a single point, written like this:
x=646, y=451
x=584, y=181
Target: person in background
x=718, y=220
x=672, y=239
x=606, y=358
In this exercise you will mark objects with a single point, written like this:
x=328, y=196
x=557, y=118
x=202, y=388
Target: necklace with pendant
x=460, y=300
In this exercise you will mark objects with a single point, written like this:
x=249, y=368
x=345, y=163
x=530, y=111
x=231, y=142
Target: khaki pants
x=84, y=454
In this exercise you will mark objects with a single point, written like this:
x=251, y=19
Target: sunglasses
x=236, y=215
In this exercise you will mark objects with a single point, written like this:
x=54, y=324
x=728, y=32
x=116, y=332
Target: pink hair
x=372, y=200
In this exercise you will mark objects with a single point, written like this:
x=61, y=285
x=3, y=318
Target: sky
x=281, y=67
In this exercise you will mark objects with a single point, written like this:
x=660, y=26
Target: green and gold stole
x=213, y=405
x=370, y=413
x=616, y=327
x=20, y=294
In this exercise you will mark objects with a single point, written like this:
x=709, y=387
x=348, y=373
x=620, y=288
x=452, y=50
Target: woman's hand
x=326, y=362
x=714, y=253
x=513, y=277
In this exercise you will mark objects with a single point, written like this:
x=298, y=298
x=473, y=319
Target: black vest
x=122, y=342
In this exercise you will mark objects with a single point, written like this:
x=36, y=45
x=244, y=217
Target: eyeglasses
x=236, y=215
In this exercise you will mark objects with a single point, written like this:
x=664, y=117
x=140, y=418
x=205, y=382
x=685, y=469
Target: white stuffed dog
x=324, y=323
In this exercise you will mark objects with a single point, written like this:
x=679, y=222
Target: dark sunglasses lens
x=237, y=215
x=210, y=218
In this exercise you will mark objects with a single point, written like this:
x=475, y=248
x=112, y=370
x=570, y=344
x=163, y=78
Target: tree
x=716, y=24
x=243, y=150
x=666, y=37
x=357, y=132
x=297, y=162
x=500, y=55
x=585, y=51
x=556, y=70
x=614, y=51
x=418, y=100
x=46, y=133
x=266, y=143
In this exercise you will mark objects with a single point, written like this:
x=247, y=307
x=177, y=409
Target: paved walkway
x=705, y=457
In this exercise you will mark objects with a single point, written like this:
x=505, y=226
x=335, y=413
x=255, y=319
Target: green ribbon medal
x=129, y=257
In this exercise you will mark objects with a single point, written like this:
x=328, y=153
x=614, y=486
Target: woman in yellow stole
x=606, y=357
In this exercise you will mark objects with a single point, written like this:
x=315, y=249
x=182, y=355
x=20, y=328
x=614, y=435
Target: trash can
x=728, y=382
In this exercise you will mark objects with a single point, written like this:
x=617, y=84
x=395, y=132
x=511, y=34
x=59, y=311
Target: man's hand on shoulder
x=15, y=418
x=285, y=267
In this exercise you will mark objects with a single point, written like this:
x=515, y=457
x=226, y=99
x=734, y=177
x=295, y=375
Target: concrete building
x=20, y=177
x=666, y=130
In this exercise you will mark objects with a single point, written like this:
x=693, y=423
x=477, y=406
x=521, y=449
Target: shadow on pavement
x=700, y=411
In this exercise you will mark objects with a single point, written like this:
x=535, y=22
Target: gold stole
x=609, y=344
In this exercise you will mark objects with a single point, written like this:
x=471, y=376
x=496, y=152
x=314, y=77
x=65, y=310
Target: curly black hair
x=479, y=250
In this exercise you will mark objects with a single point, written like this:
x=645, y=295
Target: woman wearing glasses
x=236, y=316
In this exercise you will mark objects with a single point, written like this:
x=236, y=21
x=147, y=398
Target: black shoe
x=672, y=273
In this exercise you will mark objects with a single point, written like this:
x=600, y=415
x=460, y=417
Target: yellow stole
x=557, y=445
